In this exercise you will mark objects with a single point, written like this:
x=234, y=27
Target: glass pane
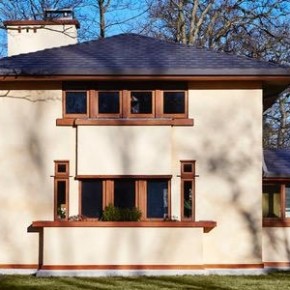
x=109, y=103
x=76, y=103
x=271, y=201
x=92, y=198
x=187, y=199
x=174, y=103
x=187, y=167
x=287, y=205
x=141, y=102
x=61, y=199
x=61, y=168
x=157, y=198
x=124, y=193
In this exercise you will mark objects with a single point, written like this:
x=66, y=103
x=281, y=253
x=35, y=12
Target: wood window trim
x=140, y=191
x=64, y=177
x=185, y=177
x=124, y=117
x=282, y=221
x=124, y=122
x=127, y=101
x=74, y=116
x=57, y=172
x=94, y=102
x=176, y=115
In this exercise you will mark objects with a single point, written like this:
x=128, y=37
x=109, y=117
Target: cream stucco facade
x=225, y=141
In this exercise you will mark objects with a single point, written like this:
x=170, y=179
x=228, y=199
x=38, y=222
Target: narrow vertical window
x=271, y=201
x=124, y=193
x=61, y=189
x=187, y=190
x=157, y=198
x=92, y=198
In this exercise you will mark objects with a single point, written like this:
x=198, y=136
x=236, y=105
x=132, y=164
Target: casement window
x=174, y=103
x=276, y=200
x=75, y=104
x=150, y=195
x=61, y=190
x=166, y=107
x=187, y=190
x=106, y=104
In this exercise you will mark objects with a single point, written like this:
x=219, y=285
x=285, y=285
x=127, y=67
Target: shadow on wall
x=25, y=173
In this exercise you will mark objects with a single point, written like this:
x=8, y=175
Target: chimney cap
x=61, y=14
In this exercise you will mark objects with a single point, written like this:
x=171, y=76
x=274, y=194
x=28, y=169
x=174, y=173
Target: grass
x=279, y=280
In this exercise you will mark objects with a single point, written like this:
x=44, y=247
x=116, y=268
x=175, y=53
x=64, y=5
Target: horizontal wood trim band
x=234, y=266
x=123, y=176
x=153, y=267
x=41, y=22
x=206, y=225
x=277, y=264
x=19, y=266
x=124, y=122
x=268, y=223
x=122, y=267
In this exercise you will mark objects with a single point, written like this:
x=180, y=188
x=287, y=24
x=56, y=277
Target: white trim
x=18, y=271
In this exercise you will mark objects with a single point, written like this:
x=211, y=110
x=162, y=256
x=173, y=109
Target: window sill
x=275, y=222
x=206, y=225
x=124, y=122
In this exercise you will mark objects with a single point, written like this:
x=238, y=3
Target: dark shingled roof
x=132, y=54
x=276, y=163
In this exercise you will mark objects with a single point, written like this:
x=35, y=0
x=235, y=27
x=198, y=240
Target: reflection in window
x=287, y=200
x=141, y=102
x=174, y=102
x=124, y=193
x=187, y=199
x=157, y=198
x=271, y=201
x=109, y=103
x=61, y=199
x=76, y=103
x=92, y=198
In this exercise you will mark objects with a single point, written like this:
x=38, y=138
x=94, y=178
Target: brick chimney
x=58, y=28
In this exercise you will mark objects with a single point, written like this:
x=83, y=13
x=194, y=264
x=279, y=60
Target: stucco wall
x=48, y=36
x=123, y=246
x=276, y=245
x=30, y=142
x=225, y=141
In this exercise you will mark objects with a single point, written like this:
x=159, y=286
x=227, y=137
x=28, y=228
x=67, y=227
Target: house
x=133, y=122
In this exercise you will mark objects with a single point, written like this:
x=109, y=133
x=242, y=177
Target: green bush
x=112, y=213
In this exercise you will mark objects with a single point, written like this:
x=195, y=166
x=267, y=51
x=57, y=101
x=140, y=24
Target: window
x=174, y=103
x=92, y=198
x=106, y=104
x=150, y=195
x=157, y=199
x=75, y=104
x=187, y=189
x=276, y=200
x=61, y=188
x=129, y=106
x=141, y=104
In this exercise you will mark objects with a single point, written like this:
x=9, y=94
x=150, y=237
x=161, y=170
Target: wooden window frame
x=61, y=176
x=125, y=117
x=140, y=193
x=94, y=104
x=75, y=116
x=174, y=115
x=127, y=109
x=282, y=221
x=185, y=177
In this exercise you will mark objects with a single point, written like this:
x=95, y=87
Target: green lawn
x=279, y=281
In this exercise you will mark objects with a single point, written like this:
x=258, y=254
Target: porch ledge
x=206, y=225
